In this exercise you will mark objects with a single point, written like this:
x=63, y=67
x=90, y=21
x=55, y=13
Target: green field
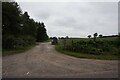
x=101, y=48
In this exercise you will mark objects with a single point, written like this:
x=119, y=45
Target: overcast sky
x=75, y=19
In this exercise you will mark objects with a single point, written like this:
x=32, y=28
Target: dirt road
x=43, y=61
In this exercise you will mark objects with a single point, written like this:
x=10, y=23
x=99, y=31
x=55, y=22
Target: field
x=100, y=48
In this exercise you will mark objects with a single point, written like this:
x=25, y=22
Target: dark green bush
x=95, y=51
x=12, y=42
x=8, y=41
x=93, y=47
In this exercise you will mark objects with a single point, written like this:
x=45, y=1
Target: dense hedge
x=92, y=47
x=12, y=42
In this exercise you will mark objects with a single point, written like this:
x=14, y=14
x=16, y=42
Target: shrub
x=8, y=41
x=92, y=47
x=12, y=42
x=95, y=51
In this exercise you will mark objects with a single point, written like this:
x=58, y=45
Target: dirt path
x=44, y=61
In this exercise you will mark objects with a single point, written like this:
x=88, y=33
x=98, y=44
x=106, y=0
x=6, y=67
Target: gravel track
x=43, y=61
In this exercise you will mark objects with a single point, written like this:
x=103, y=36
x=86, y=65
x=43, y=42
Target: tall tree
x=11, y=18
x=11, y=14
x=95, y=36
x=19, y=29
x=41, y=33
x=29, y=25
x=89, y=36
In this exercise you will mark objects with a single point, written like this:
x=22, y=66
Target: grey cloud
x=43, y=15
x=75, y=18
x=65, y=21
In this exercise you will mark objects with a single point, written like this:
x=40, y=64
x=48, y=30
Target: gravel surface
x=43, y=61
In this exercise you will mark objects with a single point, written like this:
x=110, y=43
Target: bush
x=95, y=51
x=12, y=42
x=92, y=47
x=8, y=42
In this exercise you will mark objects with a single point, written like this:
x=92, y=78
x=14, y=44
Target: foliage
x=102, y=48
x=12, y=42
x=89, y=46
x=83, y=55
x=41, y=33
x=11, y=18
x=95, y=36
x=18, y=29
x=89, y=36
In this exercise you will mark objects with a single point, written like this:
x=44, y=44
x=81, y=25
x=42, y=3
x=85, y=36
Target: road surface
x=43, y=61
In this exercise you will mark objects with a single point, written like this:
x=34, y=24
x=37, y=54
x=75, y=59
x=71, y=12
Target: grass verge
x=16, y=51
x=85, y=55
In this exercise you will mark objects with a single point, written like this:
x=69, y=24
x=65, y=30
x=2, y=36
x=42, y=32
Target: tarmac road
x=43, y=61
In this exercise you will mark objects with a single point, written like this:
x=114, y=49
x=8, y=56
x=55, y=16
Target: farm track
x=44, y=61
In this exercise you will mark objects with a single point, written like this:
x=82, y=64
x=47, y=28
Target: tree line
x=18, y=29
x=101, y=36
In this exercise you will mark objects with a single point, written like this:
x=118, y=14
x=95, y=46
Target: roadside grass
x=17, y=51
x=85, y=55
x=7, y=52
x=105, y=56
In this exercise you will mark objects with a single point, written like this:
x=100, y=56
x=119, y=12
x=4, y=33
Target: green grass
x=110, y=56
x=16, y=51
x=88, y=56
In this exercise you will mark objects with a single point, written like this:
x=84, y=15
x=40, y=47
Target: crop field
x=100, y=48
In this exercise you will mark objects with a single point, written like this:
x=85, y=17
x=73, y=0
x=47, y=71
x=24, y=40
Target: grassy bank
x=104, y=55
x=16, y=51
